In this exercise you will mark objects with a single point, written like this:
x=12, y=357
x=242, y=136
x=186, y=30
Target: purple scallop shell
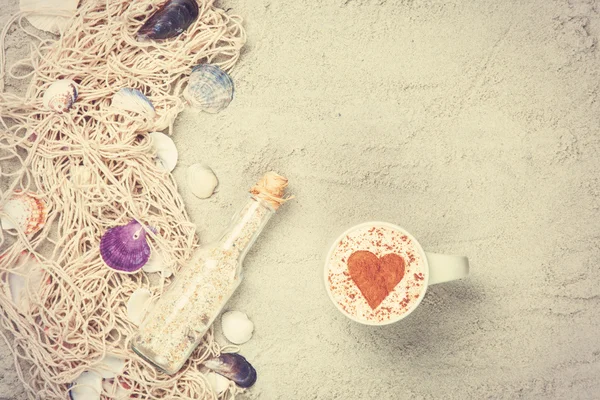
x=234, y=367
x=124, y=248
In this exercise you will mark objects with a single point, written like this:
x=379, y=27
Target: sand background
x=472, y=124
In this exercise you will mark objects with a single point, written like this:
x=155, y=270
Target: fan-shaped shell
x=60, y=95
x=209, y=88
x=133, y=100
x=24, y=211
x=43, y=14
x=124, y=248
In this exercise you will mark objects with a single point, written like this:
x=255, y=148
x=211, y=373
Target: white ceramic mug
x=438, y=268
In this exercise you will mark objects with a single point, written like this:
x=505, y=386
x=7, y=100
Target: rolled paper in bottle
x=271, y=188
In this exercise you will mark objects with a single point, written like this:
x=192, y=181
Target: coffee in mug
x=376, y=273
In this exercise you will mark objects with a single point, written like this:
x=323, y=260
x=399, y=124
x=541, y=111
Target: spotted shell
x=60, y=96
x=24, y=211
x=209, y=88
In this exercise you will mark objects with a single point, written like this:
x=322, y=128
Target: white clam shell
x=42, y=14
x=60, y=95
x=110, y=366
x=236, y=327
x=201, y=180
x=138, y=305
x=218, y=382
x=166, y=152
x=133, y=100
x=27, y=277
x=88, y=386
x=209, y=88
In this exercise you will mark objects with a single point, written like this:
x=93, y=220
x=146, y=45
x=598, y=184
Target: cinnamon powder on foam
x=380, y=241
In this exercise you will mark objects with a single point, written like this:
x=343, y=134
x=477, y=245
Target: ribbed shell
x=124, y=248
x=129, y=99
x=209, y=88
x=27, y=211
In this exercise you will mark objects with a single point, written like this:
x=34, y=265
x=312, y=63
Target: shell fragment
x=110, y=366
x=218, y=382
x=88, y=386
x=26, y=278
x=138, y=305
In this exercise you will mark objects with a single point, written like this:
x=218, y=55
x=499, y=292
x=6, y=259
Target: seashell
x=209, y=88
x=233, y=366
x=218, y=382
x=110, y=366
x=201, y=180
x=124, y=248
x=81, y=175
x=170, y=20
x=25, y=212
x=166, y=152
x=45, y=17
x=26, y=278
x=138, y=304
x=157, y=263
x=88, y=386
x=133, y=100
x=60, y=96
x=236, y=327
x=115, y=389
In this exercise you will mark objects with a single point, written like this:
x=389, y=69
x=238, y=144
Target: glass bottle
x=177, y=323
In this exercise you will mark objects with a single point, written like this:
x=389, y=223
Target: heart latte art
x=376, y=273
x=375, y=277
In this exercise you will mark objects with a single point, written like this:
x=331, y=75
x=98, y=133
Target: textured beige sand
x=475, y=125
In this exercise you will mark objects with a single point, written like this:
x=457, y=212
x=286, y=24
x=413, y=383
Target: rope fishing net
x=94, y=168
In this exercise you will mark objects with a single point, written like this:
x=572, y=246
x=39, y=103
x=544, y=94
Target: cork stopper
x=271, y=188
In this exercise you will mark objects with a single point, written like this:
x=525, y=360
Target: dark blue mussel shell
x=170, y=20
x=234, y=367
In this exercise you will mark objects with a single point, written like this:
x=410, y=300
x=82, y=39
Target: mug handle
x=444, y=268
